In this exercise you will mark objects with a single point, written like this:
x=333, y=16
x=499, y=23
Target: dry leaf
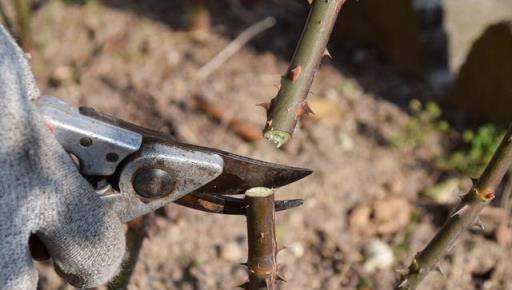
x=326, y=110
x=386, y=216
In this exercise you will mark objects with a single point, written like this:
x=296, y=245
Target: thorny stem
x=24, y=13
x=463, y=217
x=261, y=239
x=289, y=104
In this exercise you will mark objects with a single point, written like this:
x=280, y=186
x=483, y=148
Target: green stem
x=463, y=217
x=24, y=14
x=289, y=104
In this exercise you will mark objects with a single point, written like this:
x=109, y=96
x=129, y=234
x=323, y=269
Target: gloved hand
x=42, y=193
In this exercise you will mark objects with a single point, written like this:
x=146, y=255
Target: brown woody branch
x=263, y=272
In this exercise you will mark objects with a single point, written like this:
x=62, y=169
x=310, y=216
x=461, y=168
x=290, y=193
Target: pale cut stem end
x=259, y=192
x=279, y=138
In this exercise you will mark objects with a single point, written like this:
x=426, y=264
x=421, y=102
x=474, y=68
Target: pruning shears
x=137, y=170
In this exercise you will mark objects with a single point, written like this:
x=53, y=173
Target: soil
x=137, y=62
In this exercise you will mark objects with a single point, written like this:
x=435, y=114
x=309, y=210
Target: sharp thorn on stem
x=264, y=105
x=479, y=224
x=441, y=271
x=327, y=53
x=295, y=73
x=403, y=283
x=303, y=109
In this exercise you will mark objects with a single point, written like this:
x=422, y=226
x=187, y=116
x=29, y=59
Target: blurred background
x=411, y=105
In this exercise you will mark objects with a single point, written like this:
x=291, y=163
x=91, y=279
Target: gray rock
x=429, y=38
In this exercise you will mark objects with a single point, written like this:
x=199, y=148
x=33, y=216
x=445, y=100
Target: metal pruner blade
x=239, y=174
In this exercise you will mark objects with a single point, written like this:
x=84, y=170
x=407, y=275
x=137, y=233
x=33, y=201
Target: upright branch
x=290, y=103
x=261, y=262
x=464, y=216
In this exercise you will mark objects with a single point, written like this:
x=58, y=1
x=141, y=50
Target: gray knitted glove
x=42, y=193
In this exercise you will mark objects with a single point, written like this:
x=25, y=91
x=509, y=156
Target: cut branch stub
x=463, y=217
x=261, y=239
x=295, y=85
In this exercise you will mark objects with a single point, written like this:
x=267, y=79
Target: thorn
x=244, y=286
x=441, y=271
x=295, y=73
x=303, y=109
x=264, y=105
x=460, y=210
x=479, y=224
x=403, y=283
x=327, y=53
x=244, y=264
x=281, y=249
x=474, y=181
x=281, y=278
x=310, y=2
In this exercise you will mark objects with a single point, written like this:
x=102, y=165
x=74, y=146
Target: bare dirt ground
x=132, y=60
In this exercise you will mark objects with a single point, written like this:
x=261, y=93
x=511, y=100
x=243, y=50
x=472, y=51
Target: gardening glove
x=42, y=193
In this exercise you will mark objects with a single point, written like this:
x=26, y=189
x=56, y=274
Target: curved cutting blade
x=241, y=173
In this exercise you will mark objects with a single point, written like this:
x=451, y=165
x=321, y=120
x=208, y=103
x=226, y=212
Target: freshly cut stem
x=289, y=104
x=261, y=239
x=464, y=216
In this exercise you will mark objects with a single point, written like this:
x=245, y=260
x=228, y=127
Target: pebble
x=378, y=255
x=297, y=249
x=231, y=252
